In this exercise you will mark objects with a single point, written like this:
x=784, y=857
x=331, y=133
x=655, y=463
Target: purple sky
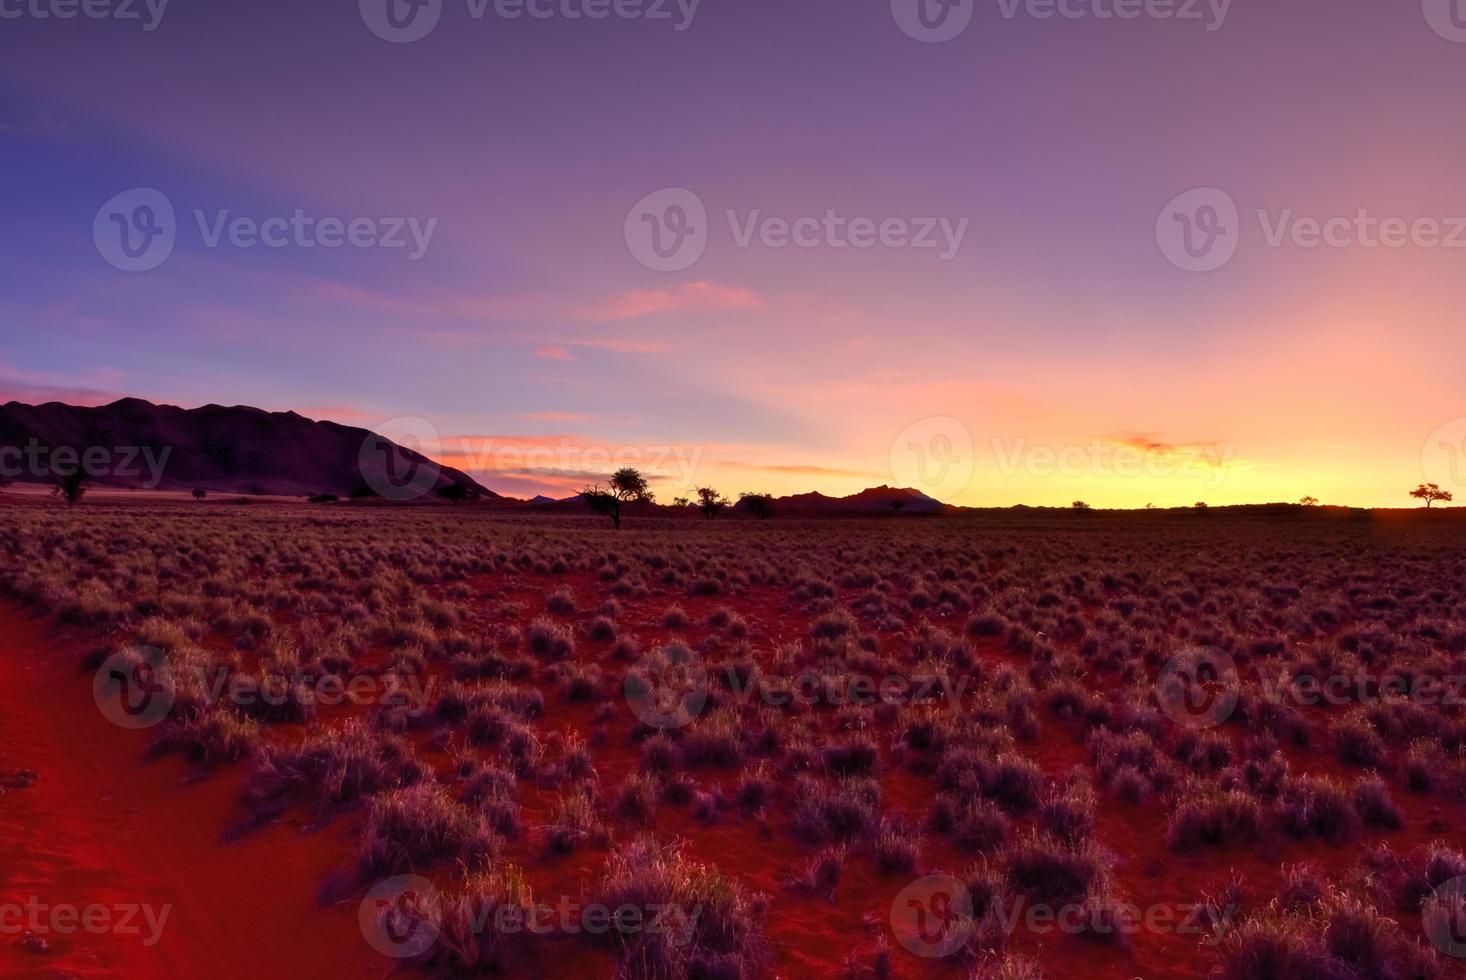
x=1059, y=324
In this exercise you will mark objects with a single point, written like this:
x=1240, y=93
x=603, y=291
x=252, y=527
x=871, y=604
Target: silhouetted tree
x=1201, y=505
x=710, y=502
x=760, y=505
x=1309, y=502
x=200, y=494
x=681, y=502
x=1430, y=493
x=1080, y=505
x=71, y=487
x=627, y=486
x=455, y=492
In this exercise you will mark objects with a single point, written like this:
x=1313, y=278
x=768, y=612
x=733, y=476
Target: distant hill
x=135, y=443
x=876, y=500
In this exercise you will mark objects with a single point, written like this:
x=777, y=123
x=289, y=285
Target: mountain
x=134, y=443
x=875, y=500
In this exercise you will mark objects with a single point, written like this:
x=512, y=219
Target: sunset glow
x=1033, y=155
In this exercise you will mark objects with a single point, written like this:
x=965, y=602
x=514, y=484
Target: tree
x=455, y=492
x=200, y=494
x=681, y=502
x=1080, y=505
x=710, y=502
x=760, y=505
x=627, y=486
x=1201, y=505
x=1430, y=493
x=71, y=487
x=1309, y=502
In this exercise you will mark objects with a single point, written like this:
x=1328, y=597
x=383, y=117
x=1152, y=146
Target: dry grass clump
x=724, y=939
x=412, y=829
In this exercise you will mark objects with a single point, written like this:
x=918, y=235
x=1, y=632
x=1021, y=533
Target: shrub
x=412, y=829
x=822, y=874
x=332, y=770
x=481, y=929
x=714, y=929
x=1220, y=819
x=843, y=811
x=1044, y=870
x=1374, y=805
x=550, y=640
x=1311, y=805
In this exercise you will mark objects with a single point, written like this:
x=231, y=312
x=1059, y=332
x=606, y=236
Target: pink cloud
x=554, y=417
x=693, y=296
x=554, y=353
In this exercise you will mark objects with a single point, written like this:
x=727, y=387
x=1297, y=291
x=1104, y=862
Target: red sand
x=102, y=825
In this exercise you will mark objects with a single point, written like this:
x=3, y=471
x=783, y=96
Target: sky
x=763, y=245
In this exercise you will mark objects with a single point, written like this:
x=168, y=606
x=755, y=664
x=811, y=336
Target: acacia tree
x=1430, y=493
x=760, y=505
x=1080, y=505
x=1309, y=501
x=71, y=487
x=710, y=502
x=627, y=486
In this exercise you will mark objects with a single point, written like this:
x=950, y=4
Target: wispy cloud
x=555, y=417
x=688, y=297
x=800, y=469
